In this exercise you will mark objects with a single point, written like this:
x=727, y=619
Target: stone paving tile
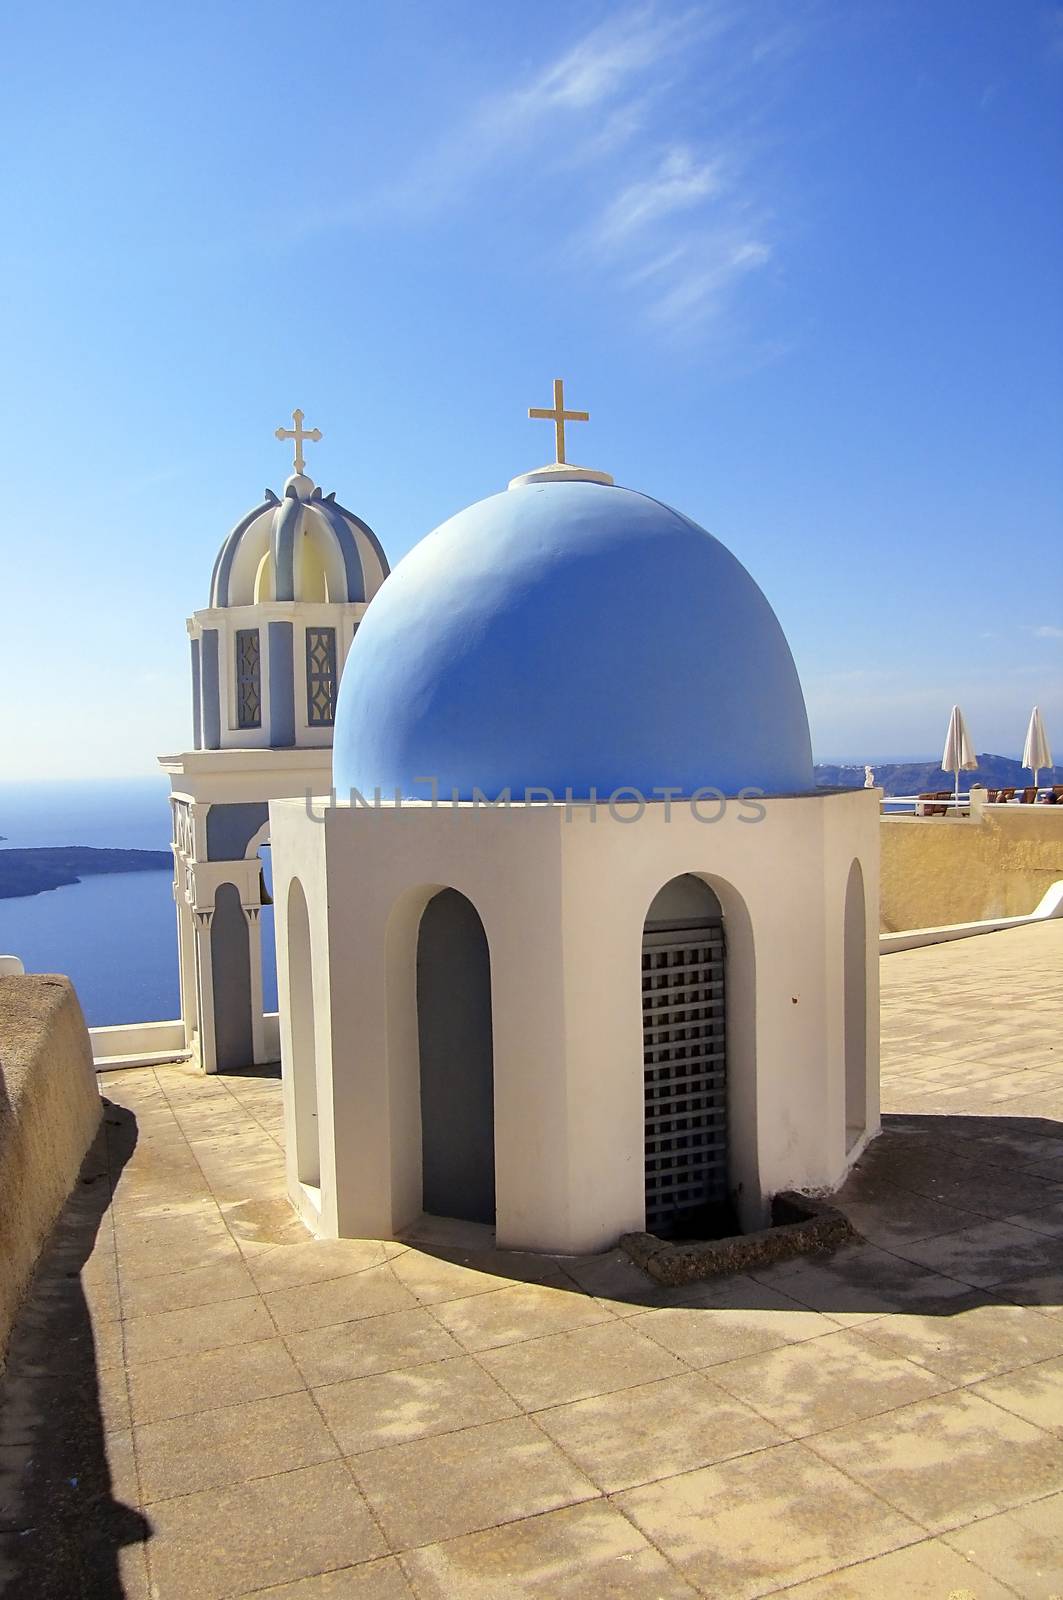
x=394, y=1407
x=887, y=1215
x=656, y=1430
x=362, y=1294
x=1035, y=1393
x=215, y=1448
x=212, y=1378
x=949, y=1459
x=122, y=1466
x=972, y=1185
x=860, y=1281
x=1043, y=1292
x=166, y=1334
x=435, y=1277
x=374, y=1580
x=583, y=1552
x=263, y=1221
x=573, y=1366
x=1023, y=1548
x=1048, y=1220
x=374, y=1344
x=926, y=1571
x=174, y=1245
x=976, y=1338
x=99, y=1286
x=223, y=1542
x=614, y=1279
x=486, y=1321
x=744, y=1318
x=112, y=1397
x=988, y=1254
x=457, y=1483
x=197, y=1286
x=754, y=1524
x=820, y=1384
x=316, y=1260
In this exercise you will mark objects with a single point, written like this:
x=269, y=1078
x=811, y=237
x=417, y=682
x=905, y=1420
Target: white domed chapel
x=574, y=947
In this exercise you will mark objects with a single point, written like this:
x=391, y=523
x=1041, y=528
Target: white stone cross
x=299, y=433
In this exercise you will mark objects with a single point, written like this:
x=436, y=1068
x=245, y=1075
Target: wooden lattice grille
x=684, y=1056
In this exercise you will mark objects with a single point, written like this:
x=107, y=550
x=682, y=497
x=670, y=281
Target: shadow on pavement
x=61, y=1525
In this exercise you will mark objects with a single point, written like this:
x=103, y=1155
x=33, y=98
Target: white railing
x=969, y=803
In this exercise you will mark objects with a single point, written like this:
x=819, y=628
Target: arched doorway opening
x=684, y=1062
x=855, y=977
x=267, y=931
x=456, y=1061
x=303, y=1064
x=230, y=953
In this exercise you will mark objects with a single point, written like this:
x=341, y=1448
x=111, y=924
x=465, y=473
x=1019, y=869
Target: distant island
x=31, y=871
x=916, y=777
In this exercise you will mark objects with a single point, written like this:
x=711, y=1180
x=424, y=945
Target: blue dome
x=570, y=636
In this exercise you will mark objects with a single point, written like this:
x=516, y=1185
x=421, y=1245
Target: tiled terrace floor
x=201, y=1401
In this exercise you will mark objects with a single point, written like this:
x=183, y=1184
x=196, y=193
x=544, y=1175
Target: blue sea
x=115, y=936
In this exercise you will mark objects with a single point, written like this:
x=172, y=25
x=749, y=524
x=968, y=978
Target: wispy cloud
x=698, y=293
x=680, y=182
x=579, y=107
x=1047, y=631
x=685, y=222
x=598, y=68
x=633, y=145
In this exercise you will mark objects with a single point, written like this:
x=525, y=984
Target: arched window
x=456, y=1061
x=303, y=1064
x=230, y=954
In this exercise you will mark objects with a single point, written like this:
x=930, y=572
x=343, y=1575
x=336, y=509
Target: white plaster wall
x=563, y=898
x=302, y=854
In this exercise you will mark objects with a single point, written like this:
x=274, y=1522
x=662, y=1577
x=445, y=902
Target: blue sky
x=801, y=261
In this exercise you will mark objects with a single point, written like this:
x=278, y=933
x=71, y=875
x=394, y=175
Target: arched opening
x=230, y=955
x=685, y=1062
x=312, y=579
x=303, y=1065
x=264, y=580
x=267, y=928
x=456, y=1061
x=855, y=960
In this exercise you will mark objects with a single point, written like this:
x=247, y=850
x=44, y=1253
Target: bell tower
x=289, y=588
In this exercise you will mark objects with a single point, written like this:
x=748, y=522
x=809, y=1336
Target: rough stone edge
x=817, y=1226
x=51, y=1109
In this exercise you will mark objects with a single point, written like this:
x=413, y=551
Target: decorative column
x=254, y=951
x=208, y=1055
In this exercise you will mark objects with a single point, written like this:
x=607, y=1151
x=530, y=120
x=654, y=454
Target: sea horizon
x=114, y=936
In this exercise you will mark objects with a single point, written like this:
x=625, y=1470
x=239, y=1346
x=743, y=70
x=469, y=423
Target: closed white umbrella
x=1036, y=752
x=959, y=755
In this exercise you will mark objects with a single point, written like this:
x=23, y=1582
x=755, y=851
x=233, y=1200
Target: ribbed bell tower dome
x=570, y=635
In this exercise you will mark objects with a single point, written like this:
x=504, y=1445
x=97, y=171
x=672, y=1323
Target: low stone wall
x=801, y=1225
x=941, y=870
x=50, y=1108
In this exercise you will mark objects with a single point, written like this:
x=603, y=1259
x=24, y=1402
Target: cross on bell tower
x=559, y=416
x=299, y=433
